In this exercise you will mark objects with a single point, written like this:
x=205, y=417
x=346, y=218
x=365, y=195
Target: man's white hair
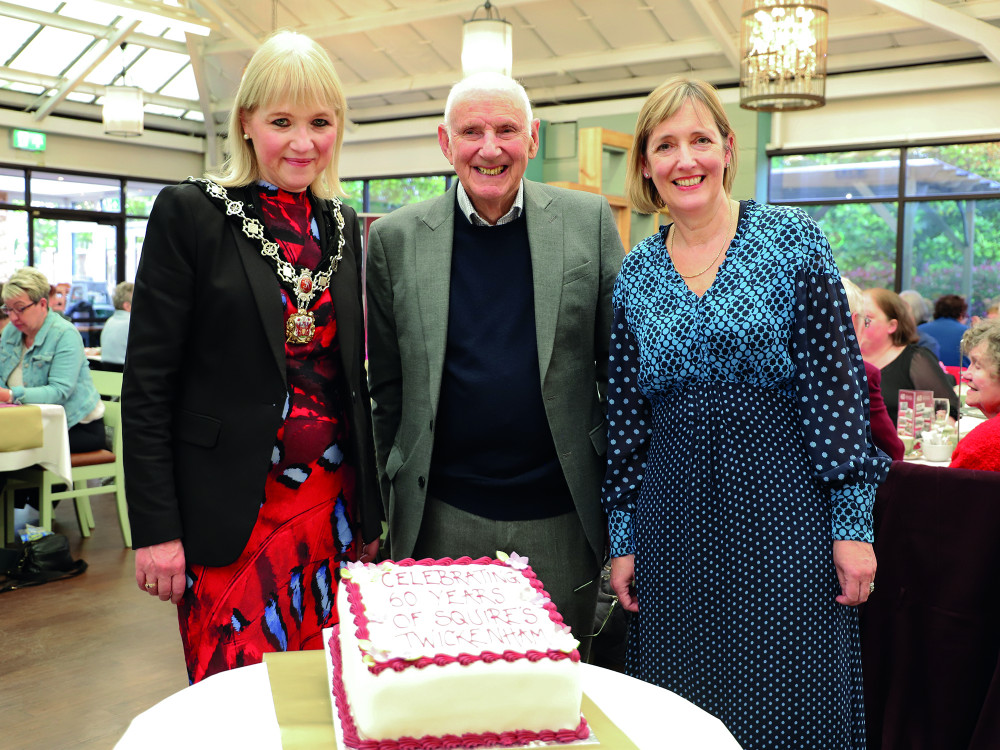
x=479, y=85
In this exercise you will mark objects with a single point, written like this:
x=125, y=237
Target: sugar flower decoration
x=514, y=560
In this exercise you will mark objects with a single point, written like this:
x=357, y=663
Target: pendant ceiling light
x=122, y=112
x=783, y=52
x=487, y=43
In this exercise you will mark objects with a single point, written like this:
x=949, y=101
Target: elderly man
x=114, y=337
x=489, y=315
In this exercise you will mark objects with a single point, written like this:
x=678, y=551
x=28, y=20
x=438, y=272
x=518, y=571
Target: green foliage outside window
x=389, y=194
x=950, y=245
x=355, y=190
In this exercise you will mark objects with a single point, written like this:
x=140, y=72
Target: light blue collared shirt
x=465, y=203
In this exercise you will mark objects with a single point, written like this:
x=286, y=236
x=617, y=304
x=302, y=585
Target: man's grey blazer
x=576, y=253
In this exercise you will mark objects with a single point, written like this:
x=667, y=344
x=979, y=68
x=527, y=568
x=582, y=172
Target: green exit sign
x=27, y=140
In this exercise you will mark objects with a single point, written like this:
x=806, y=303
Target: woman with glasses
x=42, y=360
x=883, y=430
x=890, y=343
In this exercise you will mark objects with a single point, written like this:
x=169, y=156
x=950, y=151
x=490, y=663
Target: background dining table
x=51, y=451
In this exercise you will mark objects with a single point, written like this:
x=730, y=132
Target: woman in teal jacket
x=42, y=360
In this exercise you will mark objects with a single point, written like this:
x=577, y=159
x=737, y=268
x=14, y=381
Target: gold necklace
x=670, y=248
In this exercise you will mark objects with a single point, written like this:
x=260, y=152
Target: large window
x=924, y=218
x=385, y=194
x=83, y=231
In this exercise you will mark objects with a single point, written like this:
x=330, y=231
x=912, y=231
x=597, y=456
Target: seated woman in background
x=889, y=343
x=42, y=360
x=980, y=449
x=883, y=430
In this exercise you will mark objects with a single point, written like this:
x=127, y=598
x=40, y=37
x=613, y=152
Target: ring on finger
x=150, y=585
x=871, y=587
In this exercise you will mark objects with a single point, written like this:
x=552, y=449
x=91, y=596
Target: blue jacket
x=55, y=368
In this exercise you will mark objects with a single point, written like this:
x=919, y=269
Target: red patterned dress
x=280, y=593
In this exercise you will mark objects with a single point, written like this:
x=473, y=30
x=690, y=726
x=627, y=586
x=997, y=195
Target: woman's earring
x=646, y=175
x=246, y=137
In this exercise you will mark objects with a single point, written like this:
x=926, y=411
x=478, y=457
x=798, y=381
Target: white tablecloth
x=53, y=455
x=966, y=424
x=234, y=709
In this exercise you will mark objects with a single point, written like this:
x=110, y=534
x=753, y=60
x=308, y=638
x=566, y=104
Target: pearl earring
x=646, y=175
x=246, y=137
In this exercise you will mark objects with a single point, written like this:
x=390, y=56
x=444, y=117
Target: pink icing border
x=349, y=729
x=399, y=664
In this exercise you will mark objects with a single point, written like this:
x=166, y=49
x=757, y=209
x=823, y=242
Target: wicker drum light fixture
x=487, y=43
x=783, y=51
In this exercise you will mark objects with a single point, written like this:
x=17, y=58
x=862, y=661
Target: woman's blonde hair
x=660, y=105
x=855, y=297
x=26, y=280
x=288, y=67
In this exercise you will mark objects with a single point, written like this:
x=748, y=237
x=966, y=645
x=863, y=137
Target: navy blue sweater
x=493, y=449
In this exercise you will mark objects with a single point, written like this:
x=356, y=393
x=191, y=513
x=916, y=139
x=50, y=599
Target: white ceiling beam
x=238, y=30
x=985, y=35
x=547, y=66
x=52, y=82
x=380, y=20
x=96, y=30
x=111, y=43
x=712, y=18
x=162, y=10
x=95, y=130
x=204, y=97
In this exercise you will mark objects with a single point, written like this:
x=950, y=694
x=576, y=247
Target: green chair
x=100, y=464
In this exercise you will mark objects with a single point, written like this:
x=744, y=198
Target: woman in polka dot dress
x=739, y=454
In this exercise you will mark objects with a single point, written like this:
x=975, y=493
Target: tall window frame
x=945, y=216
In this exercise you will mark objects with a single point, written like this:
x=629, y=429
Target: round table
x=235, y=709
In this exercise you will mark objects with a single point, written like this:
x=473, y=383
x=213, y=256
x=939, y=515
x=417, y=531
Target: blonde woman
x=248, y=458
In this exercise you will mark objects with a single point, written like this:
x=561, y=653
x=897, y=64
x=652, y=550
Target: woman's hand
x=855, y=563
x=623, y=581
x=369, y=551
x=160, y=570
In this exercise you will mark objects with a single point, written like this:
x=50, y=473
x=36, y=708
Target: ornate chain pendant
x=300, y=327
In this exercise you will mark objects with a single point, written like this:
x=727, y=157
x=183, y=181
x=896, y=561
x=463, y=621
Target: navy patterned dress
x=739, y=449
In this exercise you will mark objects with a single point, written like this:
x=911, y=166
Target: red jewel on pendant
x=305, y=284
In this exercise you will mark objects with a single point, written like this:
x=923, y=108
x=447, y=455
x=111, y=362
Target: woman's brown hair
x=893, y=307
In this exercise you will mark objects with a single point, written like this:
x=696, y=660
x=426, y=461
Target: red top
x=883, y=430
x=980, y=449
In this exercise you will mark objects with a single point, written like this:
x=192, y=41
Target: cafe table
x=32, y=434
x=968, y=421
x=241, y=708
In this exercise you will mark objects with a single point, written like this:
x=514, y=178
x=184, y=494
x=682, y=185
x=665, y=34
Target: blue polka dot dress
x=739, y=449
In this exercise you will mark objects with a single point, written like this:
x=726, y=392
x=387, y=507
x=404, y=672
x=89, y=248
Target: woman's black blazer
x=205, y=382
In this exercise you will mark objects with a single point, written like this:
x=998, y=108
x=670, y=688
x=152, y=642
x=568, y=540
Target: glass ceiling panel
x=88, y=11
x=111, y=66
x=15, y=32
x=52, y=51
x=156, y=109
x=74, y=96
x=155, y=68
x=27, y=88
x=183, y=86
